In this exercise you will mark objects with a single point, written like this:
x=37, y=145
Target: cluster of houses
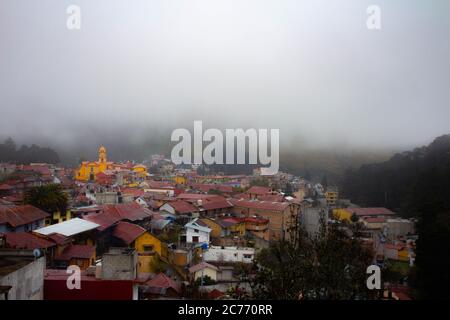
x=180, y=234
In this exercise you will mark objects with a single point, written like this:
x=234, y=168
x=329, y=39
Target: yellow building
x=238, y=229
x=88, y=170
x=149, y=249
x=57, y=217
x=342, y=214
x=140, y=170
x=225, y=227
x=332, y=197
x=148, y=242
x=216, y=229
x=179, y=179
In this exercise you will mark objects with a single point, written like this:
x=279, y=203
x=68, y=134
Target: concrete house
x=197, y=232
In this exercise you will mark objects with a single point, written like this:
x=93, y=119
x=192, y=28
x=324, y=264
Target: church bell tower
x=102, y=154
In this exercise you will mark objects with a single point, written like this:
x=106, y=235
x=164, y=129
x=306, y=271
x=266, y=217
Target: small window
x=148, y=247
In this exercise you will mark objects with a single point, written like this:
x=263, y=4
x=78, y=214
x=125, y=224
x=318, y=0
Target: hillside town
x=155, y=230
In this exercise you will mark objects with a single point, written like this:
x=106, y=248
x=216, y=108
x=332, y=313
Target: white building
x=197, y=232
x=69, y=228
x=310, y=219
x=229, y=254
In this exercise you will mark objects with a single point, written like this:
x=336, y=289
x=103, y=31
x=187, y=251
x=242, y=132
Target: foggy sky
x=310, y=68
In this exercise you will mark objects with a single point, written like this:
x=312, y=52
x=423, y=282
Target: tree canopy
x=50, y=198
x=9, y=152
x=331, y=265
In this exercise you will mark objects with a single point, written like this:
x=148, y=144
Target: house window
x=195, y=239
x=148, y=247
x=247, y=256
x=195, y=230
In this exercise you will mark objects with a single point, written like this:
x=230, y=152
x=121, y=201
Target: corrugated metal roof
x=75, y=251
x=25, y=240
x=20, y=215
x=261, y=205
x=69, y=228
x=127, y=232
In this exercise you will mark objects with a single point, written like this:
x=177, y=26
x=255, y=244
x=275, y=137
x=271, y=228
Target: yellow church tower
x=102, y=158
x=89, y=169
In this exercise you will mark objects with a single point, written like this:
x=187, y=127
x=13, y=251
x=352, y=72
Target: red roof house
x=25, y=240
x=25, y=216
x=127, y=232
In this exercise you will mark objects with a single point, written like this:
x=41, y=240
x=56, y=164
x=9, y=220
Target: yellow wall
x=331, y=197
x=216, y=229
x=180, y=180
x=141, y=171
x=58, y=218
x=148, y=239
x=86, y=168
x=145, y=263
x=84, y=171
x=403, y=255
x=239, y=228
x=342, y=214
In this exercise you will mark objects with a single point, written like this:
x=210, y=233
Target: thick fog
x=139, y=69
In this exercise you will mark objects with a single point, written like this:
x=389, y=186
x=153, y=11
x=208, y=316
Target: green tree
x=432, y=277
x=260, y=182
x=331, y=265
x=207, y=281
x=50, y=198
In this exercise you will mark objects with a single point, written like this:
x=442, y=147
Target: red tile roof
x=231, y=220
x=201, y=266
x=375, y=220
x=260, y=205
x=160, y=184
x=163, y=282
x=218, y=203
x=14, y=198
x=206, y=187
x=25, y=240
x=241, y=196
x=215, y=294
x=104, y=219
x=128, y=211
x=19, y=215
x=42, y=169
x=76, y=251
x=182, y=207
x=57, y=238
x=5, y=187
x=272, y=197
x=370, y=211
x=133, y=191
x=258, y=190
x=196, y=196
x=398, y=246
x=257, y=220
x=127, y=232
